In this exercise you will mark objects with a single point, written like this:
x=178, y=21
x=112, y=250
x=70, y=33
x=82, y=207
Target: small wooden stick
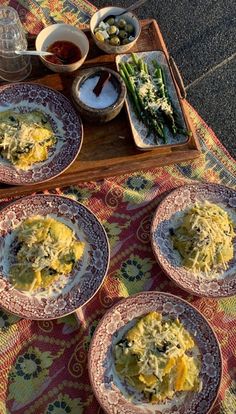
x=105, y=76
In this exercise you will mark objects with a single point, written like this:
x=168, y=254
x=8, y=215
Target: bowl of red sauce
x=68, y=44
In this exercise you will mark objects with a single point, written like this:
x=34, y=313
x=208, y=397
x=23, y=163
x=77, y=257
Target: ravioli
x=47, y=249
x=25, y=138
x=156, y=358
x=204, y=238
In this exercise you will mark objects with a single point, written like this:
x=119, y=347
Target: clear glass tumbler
x=12, y=37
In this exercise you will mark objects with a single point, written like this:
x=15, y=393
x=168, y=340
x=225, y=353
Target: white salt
x=107, y=97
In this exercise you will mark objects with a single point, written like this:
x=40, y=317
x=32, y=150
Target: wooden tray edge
x=146, y=159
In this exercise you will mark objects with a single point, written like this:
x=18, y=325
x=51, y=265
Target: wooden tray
x=107, y=149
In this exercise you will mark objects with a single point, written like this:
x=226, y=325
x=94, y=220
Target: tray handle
x=178, y=77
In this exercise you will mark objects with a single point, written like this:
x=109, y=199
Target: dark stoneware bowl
x=93, y=114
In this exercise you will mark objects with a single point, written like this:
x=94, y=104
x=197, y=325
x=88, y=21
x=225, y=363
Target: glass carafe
x=12, y=37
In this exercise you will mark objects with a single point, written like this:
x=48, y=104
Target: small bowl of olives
x=113, y=33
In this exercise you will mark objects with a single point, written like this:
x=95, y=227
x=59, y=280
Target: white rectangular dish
x=144, y=140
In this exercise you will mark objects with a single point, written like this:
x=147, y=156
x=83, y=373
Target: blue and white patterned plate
x=68, y=292
x=65, y=122
x=220, y=283
x=114, y=395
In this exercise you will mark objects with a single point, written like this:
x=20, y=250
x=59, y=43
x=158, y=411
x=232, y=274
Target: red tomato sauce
x=64, y=52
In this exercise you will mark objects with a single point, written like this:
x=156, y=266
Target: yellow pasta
x=25, y=138
x=205, y=237
x=152, y=357
x=47, y=249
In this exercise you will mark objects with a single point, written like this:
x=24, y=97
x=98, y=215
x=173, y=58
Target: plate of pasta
x=155, y=353
x=40, y=133
x=193, y=236
x=54, y=256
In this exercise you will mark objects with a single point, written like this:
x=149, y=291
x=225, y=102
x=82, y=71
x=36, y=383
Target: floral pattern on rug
x=44, y=364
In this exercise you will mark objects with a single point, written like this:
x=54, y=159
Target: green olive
x=122, y=23
x=115, y=41
x=99, y=36
x=125, y=41
x=129, y=28
x=110, y=21
x=123, y=34
x=112, y=30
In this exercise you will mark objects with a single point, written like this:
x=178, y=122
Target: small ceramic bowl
x=82, y=95
x=100, y=15
x=63, y=32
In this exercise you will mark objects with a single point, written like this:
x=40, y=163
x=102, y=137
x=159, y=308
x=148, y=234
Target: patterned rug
x=43, y=365
x=36, y=14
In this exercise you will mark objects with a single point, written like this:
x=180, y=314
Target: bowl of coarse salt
x=98, y=94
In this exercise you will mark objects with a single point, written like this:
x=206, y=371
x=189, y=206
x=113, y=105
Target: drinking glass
x=12, y=37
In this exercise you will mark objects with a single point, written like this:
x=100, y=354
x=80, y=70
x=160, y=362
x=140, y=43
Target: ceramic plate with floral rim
x=144, y=140
x=214, y=284
x=64, y=121
x=68, y=292
x=114, y=395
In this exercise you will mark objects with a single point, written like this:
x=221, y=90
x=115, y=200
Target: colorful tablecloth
x=36, y=14
x=43, y=365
